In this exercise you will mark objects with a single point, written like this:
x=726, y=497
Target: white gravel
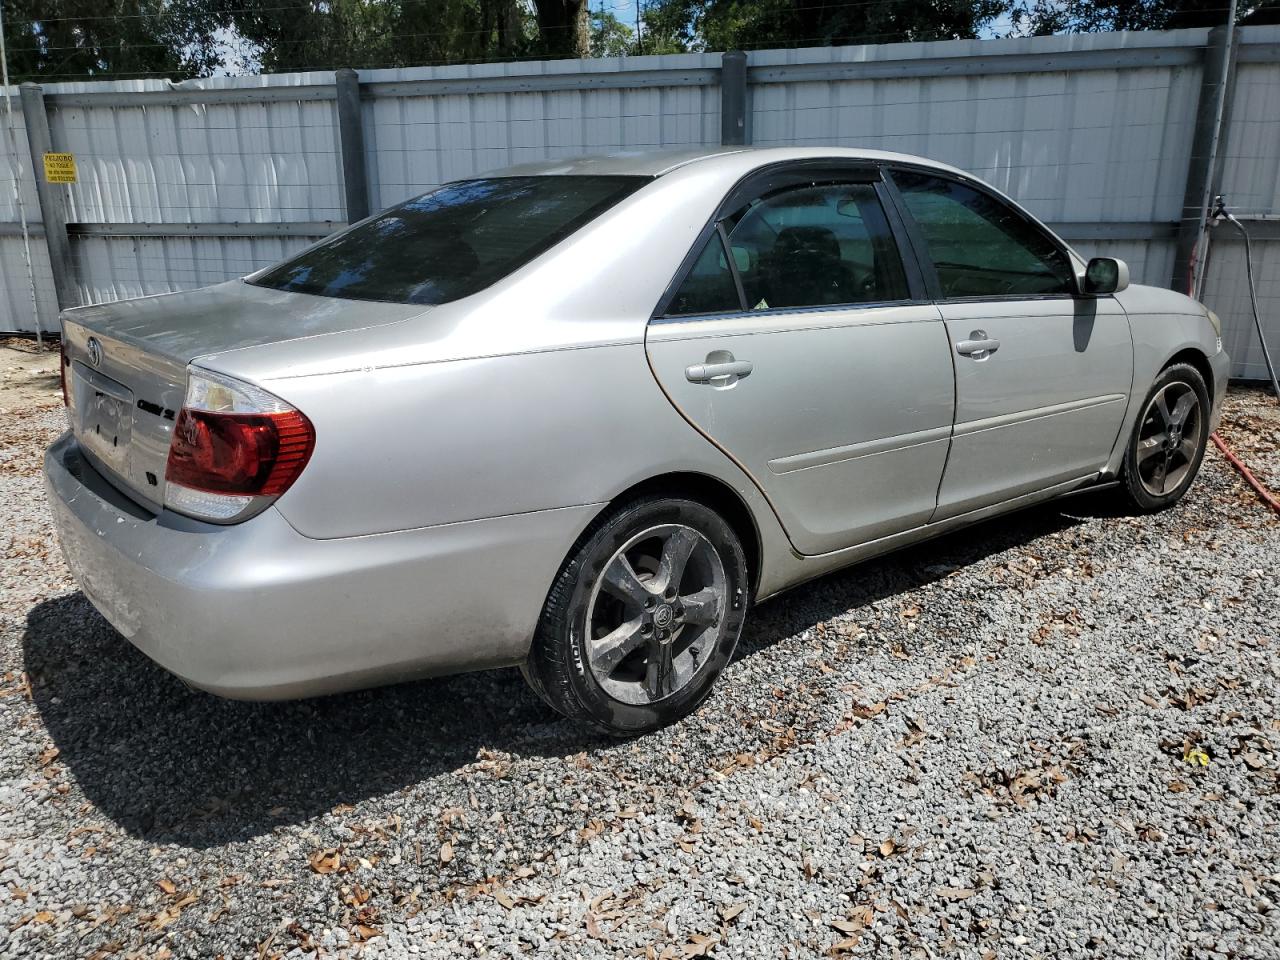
x=1050, y=735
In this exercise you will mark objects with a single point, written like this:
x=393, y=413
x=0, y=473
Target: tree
x=1043, y=17
x=610, y=37
x=56, y=40
x=749, y=24
x=563, y=29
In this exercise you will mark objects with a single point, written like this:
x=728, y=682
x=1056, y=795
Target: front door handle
x=979, y=346
x=711, y=372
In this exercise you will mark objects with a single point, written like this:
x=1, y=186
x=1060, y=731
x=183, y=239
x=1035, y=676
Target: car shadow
x=171, y=764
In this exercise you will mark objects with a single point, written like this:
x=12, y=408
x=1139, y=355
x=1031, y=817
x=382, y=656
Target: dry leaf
x=887, y=847
x=446, y=852
x=731, y=911
x=700, y=945
x=501, y=896
x=167, y=885
x=955, y=893
x=325, y=861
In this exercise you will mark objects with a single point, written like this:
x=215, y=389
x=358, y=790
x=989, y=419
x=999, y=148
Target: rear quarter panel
x=404, y=447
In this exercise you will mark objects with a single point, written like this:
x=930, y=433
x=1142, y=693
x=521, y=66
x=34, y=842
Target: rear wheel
x=1168, y=441
x=642, y=617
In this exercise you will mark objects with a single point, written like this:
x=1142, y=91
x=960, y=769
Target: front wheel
x=1168, y=440
x=643, y=616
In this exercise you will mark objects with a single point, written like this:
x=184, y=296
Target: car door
x=1042, y=372
x=799, y=341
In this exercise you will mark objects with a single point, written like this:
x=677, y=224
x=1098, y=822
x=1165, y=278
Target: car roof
x=655, y=163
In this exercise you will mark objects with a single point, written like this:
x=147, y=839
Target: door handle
x=707, y=372
x=979, y=346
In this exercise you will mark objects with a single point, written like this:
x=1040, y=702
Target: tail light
x=63, y=363
x=235, y=448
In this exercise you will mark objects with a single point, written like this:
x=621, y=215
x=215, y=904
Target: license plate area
x=104, y=417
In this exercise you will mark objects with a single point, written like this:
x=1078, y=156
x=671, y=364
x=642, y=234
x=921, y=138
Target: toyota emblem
x=95, y=351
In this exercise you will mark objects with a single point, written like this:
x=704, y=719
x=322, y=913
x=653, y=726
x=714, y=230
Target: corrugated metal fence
x=1099, y=134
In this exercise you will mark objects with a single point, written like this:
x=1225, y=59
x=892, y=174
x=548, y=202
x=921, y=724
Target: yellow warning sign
x=60, y=167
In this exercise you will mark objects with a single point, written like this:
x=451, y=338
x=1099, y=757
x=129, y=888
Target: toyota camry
x=581, y=416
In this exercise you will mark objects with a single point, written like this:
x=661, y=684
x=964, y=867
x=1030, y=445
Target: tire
x=1168, y=441
x=600, y=653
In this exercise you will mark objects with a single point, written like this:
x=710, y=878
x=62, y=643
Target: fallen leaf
x=325, y=861
x=700, y=945
x=955, y=893
x=1195, y=756
x=167, y=885
x=501, y=896
x=731, y=911
x=446, y=852
x=887, y=847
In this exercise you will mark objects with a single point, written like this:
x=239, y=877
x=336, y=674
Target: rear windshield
x=451, y=242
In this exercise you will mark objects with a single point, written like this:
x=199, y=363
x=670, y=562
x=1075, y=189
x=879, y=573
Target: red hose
x=1267, y=496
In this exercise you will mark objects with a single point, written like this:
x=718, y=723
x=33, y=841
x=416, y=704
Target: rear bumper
x=258, y=611
x=1220, y=363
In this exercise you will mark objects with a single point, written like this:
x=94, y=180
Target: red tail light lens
x=63, y=363
x=234, y=448
x=242, y=453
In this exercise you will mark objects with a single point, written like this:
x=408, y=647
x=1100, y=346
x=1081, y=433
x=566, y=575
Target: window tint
x=980, y=246
x=816, y=246
x=709, y=287
x=451, y=242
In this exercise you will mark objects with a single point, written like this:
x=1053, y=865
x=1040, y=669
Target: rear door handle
x=979, y=346
x=707, y=372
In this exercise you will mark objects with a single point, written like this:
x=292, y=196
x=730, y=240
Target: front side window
x=816, y=246
x=452, y=242
x=980, y=246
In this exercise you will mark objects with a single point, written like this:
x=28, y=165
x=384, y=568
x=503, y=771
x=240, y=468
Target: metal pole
x=733, y=98
x=351, y=140
x=1219, y=66
x=17, y=183
x=52, y=212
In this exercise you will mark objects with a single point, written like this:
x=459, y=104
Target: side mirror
x=1105, y=275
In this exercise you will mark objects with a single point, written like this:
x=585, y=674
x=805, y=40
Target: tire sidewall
x=595, y=554
x=1179, y=373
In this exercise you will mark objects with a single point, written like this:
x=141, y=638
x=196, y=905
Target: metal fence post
x=1207, y=143
x=733, y=98
x=351, y=139
x=52, y=212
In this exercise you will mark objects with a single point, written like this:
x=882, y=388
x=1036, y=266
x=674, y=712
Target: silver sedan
x=580, y=416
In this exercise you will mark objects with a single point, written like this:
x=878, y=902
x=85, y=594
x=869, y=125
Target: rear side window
x=817, y=246
x=452, y=242
x=709, y=287
x=980, y=246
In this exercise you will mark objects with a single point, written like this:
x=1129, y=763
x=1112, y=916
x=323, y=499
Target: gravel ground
x=1052, y=735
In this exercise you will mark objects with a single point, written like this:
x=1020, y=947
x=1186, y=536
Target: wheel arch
x=710, y=492
x=1194, y=357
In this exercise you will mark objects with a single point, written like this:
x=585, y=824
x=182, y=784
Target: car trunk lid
x=126, y=363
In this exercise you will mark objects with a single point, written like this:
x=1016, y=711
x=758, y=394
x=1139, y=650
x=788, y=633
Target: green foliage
x=1043, y=17
x=67, y=39
x=610, y=37
x=70, y=39
x=303, y=34
x=752, y=24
